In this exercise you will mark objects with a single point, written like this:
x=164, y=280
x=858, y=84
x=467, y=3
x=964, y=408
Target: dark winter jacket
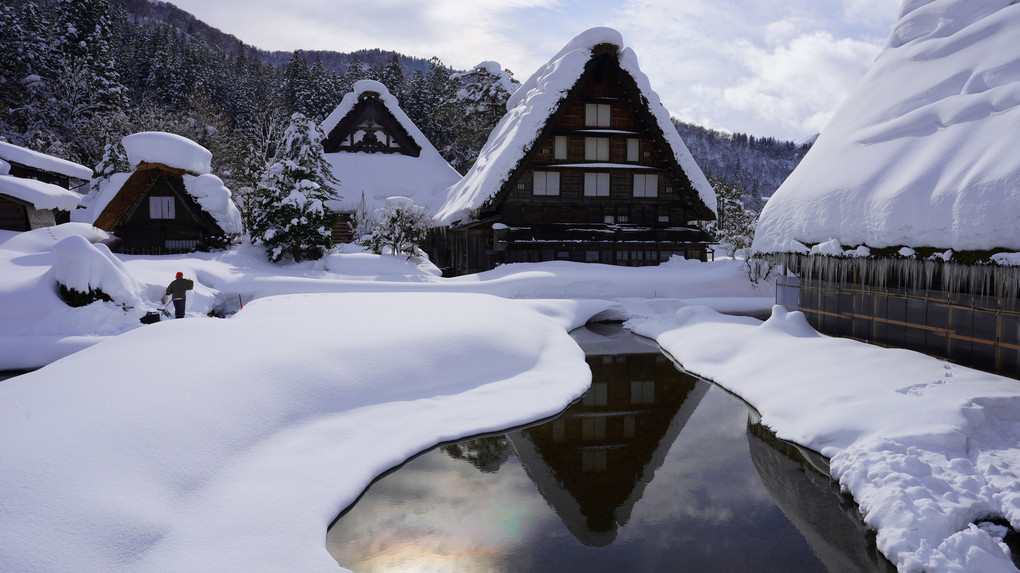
x=179, y=288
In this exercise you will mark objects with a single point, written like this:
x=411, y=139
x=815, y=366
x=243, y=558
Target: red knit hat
x=179, y=274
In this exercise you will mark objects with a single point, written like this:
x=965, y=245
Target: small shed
x=170, y=203
x=35, y=188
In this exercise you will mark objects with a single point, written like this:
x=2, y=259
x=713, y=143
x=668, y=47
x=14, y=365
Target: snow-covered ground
x=212, y=444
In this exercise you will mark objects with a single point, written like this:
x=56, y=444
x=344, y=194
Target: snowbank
x=169, y=149
x=921, y=153
x=83, y=266
x=39, y=194
x=530, y=107
x=380, y=175
x=925, y=447
x=230, y=445
x=43, y=162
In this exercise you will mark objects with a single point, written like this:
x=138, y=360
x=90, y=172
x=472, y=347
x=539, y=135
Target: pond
x=652, y=470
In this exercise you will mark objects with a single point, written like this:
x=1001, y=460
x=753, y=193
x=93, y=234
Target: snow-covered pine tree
x=289, y=216
x=90, y=99
x=26, y=72
x=482, y=103
x=734, y=226
x=115, y=160
x=400, y=227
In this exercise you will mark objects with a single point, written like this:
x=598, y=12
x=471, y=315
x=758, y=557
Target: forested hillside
x=78, y=75
x=755, y=166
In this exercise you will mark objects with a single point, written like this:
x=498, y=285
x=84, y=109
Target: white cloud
x=799, y=84
x=707, y=59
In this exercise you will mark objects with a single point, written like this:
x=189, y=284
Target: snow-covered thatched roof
x=922, y=153
x=530, y=108
x=43, y=162
x=183, y=157
x=424, y=178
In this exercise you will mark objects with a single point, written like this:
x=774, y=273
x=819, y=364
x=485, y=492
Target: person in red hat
x=178, y=291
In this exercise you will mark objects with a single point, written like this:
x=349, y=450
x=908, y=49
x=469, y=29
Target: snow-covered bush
x=289, y=214
x=86, y=273
x=399, y=227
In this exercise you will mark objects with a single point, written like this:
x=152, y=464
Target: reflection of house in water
x=593, y=462
x=829, y=520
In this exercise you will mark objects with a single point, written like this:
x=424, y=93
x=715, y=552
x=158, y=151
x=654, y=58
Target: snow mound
x=921, y=152
x=215, y=199
x=169, y=149
x=162, y=460
x=40, y=194
x=84, y=266
x=530, y=107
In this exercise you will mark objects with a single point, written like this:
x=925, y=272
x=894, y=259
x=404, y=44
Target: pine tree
x=26, y=72
x=482, y=102
x=289, y=215
x=89, y=97
x=734, y=225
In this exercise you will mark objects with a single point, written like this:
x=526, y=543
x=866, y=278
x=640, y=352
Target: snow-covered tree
x=26, y=71
x=734, y=225
x=482, y=103
x=400, y=227
x=288, y=215
x=115, y=160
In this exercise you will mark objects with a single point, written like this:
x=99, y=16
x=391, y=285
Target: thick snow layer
x=84, y=266
x=381, y=175
x=230, y=445
x=925, y=447
x=208, y=190
x=922, y=152
x=169, y=149
x=43, y=162
x=530, y=107
x=39, y=194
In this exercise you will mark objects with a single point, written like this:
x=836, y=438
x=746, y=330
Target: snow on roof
x=41, y=195
x=921, y=153
x=16, y=154
x=381, y=175
x=208, y=190
x=530, y=107
x=96, y=201
x=169, y=149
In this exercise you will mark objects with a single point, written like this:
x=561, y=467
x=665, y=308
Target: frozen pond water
x=653, y=470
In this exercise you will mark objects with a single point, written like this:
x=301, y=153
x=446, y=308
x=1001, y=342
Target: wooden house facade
x=601, y=183
x=153, y=213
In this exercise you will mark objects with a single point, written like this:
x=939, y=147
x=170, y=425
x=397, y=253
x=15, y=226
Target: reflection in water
x=577, y=493
x=593, y=462
x=828, y=519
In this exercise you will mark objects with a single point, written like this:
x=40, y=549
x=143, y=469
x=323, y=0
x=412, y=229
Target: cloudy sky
x=765, y=67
